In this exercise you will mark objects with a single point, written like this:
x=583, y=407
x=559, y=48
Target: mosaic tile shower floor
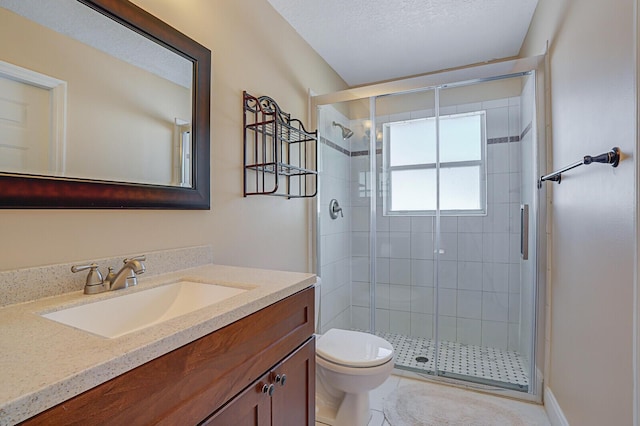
x=475, y=363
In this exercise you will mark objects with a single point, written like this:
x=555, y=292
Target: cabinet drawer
x=186, y=385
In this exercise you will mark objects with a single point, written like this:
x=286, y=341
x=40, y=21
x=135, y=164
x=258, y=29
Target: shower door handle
x=524, y=231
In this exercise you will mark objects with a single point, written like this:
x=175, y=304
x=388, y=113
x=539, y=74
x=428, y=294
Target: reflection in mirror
x=83, y=96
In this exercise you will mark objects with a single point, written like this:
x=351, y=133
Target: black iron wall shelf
x=612, y=157
x=280, y=155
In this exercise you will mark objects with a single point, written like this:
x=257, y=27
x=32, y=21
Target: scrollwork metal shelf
x=277, y=149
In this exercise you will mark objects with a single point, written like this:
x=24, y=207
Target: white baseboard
x=551, y=406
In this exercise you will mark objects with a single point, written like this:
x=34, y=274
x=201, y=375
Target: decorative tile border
x=492, y=141
x=335, y=146
x=361, y=153
x=23, y=285
x=506, y=139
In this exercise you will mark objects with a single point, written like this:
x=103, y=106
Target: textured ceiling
x=368, y=41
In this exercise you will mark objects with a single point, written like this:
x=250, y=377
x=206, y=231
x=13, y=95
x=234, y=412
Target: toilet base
x=342, y=387
x=353, y=411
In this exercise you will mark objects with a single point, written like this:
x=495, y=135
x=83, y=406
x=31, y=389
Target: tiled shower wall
x=334, y=258
x=479, y=270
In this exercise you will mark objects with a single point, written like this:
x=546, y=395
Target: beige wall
x=592, y=72
x=252, y=49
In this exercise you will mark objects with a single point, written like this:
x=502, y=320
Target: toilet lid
x=353, y=348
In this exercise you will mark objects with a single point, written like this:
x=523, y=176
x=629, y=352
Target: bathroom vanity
x=250, y=360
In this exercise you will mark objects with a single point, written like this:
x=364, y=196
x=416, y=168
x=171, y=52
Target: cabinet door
x=293, y=400
x=252, y=407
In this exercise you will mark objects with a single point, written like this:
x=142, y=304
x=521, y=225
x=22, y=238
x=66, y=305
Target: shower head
x=346, y=132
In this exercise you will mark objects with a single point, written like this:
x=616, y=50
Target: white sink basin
x=134, y=311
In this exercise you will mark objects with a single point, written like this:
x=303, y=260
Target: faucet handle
x=79, y=268
x=93, y=277
x=142, y=257
x=94, y=282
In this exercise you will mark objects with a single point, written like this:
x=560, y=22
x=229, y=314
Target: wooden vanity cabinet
x=294, y=401
x=215, y=380
x=284, y=396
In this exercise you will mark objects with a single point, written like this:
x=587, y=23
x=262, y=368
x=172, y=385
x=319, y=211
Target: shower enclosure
x=435, y=248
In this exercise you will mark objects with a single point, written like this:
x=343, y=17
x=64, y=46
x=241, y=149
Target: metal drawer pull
x=268, y=389
x=281, y=379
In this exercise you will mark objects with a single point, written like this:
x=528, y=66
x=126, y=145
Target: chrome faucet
x=125, y=277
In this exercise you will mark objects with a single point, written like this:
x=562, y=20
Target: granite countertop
x=44, y=363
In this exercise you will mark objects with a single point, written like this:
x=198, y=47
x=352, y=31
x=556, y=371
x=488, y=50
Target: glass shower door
x=405, y=233
x=484, y=328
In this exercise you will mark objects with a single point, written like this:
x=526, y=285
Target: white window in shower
x=411, y=153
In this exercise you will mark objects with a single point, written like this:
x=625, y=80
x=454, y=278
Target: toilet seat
x=353, y=349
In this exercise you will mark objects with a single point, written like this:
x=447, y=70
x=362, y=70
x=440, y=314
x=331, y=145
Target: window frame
x=388, y=170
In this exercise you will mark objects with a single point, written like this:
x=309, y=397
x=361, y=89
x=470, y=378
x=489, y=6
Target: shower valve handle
x=334, y=209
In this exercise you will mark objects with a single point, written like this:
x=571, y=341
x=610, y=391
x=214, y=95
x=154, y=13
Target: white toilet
x=348, y=365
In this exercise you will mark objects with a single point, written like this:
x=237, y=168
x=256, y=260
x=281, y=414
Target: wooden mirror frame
x=29, y=191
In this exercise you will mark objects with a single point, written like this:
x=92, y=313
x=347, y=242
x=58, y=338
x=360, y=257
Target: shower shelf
x=277, y=150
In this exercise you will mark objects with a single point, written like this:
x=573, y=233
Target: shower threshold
x=472, y=363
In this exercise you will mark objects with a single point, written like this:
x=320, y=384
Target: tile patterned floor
x=475, y=363
x=536, y=412
x=377, y=398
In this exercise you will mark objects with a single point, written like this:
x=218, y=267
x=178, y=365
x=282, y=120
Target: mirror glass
x=84, y=97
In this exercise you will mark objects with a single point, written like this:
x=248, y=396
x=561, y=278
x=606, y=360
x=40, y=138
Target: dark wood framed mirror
x=34, y=190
